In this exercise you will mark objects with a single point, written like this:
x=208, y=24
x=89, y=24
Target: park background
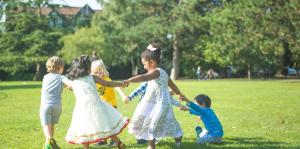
x=253, y=46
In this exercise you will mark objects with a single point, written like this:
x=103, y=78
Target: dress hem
x=101, y=139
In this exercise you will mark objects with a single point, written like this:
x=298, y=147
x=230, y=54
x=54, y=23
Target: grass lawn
x=254, y=114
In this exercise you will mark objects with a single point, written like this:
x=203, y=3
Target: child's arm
x=139, y=91
x=122, y=94
x=175, y=102
x=194, y=109
x=174, y=87
x=153, y=74
x=66, y=82
x=109, y=83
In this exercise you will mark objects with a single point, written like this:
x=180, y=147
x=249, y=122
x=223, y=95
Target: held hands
x=125, y=83
x=125, y=99
x=184, y=108
x=183, y=98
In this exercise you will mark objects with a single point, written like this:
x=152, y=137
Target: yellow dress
x=107, y=93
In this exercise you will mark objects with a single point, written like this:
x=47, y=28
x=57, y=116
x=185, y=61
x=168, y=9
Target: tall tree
x=27, y=40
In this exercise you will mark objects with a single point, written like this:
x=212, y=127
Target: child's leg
x=118, y=141
x=151, y=144
x=208, y=139
x=48, y=131
x=178, y=141
x=198, y=130
x=86, y=146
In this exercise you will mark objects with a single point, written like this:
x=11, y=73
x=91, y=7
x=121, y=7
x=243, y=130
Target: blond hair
x=54, y=63
x=98, y=65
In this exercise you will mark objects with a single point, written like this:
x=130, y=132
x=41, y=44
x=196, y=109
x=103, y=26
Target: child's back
x=50, y=109
x=52, y=88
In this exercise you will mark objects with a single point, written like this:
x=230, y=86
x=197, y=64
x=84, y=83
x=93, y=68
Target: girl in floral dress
x=154, y=117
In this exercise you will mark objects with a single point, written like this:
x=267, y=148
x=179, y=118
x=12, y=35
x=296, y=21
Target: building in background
x=61, y=13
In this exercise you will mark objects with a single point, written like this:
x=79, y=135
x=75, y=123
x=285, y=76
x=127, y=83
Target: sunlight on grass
x=254, y=114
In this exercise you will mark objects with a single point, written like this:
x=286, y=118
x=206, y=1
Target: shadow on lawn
x=230, y=143
x=21, y=86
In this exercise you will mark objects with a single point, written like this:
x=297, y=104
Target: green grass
x=254, y=114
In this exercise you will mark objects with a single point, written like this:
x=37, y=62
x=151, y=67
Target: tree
x=27, y=41
x=245, y=34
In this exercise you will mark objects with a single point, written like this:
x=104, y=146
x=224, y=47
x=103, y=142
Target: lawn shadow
x=231, y=143
x=21, y=86
x=128, y=146
x=3, y=95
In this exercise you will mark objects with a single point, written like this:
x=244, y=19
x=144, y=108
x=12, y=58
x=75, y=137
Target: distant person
x=50, y=108
x=213, y=131
x=198, y=72
x=211, y=74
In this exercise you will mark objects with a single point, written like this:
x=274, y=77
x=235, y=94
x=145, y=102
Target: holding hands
x=184, y=108
x=125, y=83
x=183, y=98
x=125, y=99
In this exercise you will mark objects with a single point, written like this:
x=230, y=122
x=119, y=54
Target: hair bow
x=151, y=48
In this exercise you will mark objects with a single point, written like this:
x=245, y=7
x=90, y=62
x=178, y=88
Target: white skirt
x=154, y=120
x=94, y=120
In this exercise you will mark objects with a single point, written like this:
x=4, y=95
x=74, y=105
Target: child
x=140, y=91
x=154, y=117
x=50, y=108
x=214, y=131
x=93, y=120
x=106, y=93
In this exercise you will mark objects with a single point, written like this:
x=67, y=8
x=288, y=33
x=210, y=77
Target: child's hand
x=68, y=87
x=183, y=98
x=171, y=92
x=125, y=83
x=183, y=108
x=126, y=99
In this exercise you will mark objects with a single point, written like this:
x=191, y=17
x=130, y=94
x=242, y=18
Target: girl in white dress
x=93, y=119
x=154, y=117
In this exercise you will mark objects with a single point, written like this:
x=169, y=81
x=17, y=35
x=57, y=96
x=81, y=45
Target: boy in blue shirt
x=50, y=108
x=213, y=131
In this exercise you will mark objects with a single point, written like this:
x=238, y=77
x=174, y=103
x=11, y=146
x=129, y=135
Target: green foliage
x=27, y=40
x=251, y=34
x=83, y=41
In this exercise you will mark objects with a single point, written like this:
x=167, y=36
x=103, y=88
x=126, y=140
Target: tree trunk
x=133, y=65
x=38, y=72
x=285, y=59
x=175, y=60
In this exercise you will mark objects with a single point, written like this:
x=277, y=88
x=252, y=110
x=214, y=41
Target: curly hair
x=80, y=67
x=152, y=52
x=54, y=63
